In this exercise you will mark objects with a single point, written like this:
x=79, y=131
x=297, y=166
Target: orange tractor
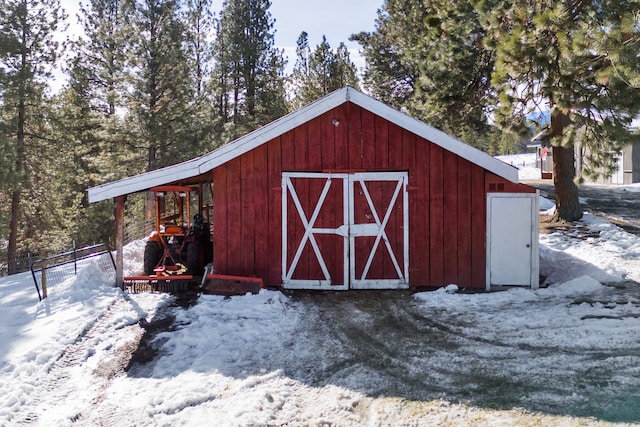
x=179, y=248
x=178, y=245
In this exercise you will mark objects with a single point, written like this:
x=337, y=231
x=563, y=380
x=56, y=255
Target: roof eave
x=244, y=144
x=437, y=137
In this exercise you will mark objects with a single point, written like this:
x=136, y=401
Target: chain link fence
x=38, y=276
x=46, y=274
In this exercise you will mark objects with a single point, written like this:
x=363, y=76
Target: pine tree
x=88, y=123
x=249, y=71
x=99, y=59
x=199, y=25
x=159, y=89
x=28, y=50
x=386, y=76
x=200, y=30
x=97, y=80
x=159, y=83
x=321, y=72
x=90, y=158
x=579, y=61
x=428, y=58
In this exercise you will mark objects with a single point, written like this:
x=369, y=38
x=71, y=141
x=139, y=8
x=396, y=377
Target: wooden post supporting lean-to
x=119, y=225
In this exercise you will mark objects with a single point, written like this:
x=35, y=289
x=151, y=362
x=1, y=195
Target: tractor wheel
x=152, y=254
x=193, y=258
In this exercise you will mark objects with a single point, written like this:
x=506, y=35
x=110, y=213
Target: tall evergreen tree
x=386, y=76
x=98, y=65
x=159, y=83
x=88, y=119
x=578, y=59
x=97, y=78
x=199, y=26
x=200, y=30
x=160, y=89
x=249, y=71
x=27, y=52
x=321, y=72
x=430, y=57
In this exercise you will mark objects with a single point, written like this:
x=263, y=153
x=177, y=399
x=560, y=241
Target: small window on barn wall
x=496, y=186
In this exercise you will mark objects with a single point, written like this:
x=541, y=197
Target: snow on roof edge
x=200, y=165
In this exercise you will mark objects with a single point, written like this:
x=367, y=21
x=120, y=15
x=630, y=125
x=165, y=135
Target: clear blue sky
x=336, y=19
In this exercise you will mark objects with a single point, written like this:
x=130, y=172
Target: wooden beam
x=119, y=225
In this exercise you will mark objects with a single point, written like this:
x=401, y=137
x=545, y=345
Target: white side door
x=512, y=239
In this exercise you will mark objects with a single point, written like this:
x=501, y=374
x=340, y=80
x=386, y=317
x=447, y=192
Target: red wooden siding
x=464, y=207
x=274, y=195
x=436, y=215
x=447, y=201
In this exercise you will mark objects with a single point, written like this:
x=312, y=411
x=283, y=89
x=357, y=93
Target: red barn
x=348, y=193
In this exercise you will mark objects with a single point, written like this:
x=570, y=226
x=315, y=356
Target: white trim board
x=242, y=145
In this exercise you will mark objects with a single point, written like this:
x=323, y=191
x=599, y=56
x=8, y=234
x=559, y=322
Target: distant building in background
x=628, y=171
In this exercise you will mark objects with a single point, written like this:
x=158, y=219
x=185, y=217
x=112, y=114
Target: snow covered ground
x=567, y=354
x=526, y=164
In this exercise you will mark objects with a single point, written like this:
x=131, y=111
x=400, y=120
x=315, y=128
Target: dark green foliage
x=200, y=31
x=428, y=58
x=27, y=51
x=579, y=60
x=159, y=93
x=249, y=71
x=320, y=72
x=141, y=93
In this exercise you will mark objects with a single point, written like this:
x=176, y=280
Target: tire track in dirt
x=385, y=344
x=59, y=383
x=374, y=335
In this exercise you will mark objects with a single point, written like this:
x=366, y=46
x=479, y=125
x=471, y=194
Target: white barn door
x=379, y=230
x=314, y=235
x=342, y=231
x=512, y=239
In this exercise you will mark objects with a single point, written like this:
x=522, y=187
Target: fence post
x=119, y=224
x=33, y=274
x=44, y=278
x=75, y=263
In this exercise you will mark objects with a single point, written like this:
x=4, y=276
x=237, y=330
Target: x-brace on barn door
x=343, y=231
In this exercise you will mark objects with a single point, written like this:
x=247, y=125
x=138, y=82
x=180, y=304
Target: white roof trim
x=200, y=165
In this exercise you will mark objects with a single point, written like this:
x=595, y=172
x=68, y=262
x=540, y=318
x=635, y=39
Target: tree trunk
x=12, y=248
x=150, y=200
x=564, y=172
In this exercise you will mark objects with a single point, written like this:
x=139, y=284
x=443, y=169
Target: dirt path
x=447, y=356
x=614, y=203
x=103, y=351
x=62, y=380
